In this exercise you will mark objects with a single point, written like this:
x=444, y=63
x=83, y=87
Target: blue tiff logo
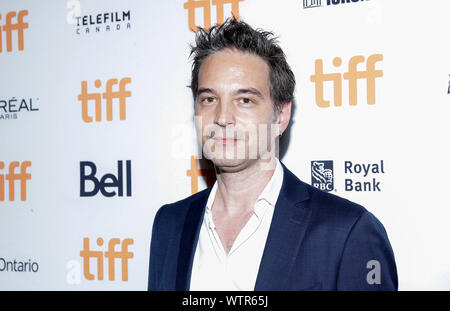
x=322, y=176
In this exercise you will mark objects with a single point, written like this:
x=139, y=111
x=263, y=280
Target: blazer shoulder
x=179, y=208
x=188, y=200
x=342, y=215
x=321, y=202
x=333, y=207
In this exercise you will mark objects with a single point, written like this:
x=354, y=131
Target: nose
x=224, y=114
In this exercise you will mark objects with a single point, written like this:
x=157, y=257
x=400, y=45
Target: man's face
x=234, y=110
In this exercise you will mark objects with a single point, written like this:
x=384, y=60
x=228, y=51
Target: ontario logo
x=322, y=176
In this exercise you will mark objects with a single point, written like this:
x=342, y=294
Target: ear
x=284, y=116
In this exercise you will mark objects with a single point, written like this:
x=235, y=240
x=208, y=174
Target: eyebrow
x=249, y=90
x=205, y=90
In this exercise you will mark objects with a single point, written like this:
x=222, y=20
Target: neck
x=237, y=191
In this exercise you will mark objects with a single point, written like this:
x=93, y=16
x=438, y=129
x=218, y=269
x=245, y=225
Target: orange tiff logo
x=10, y=26
x=111, y=255
x=195, y=172
x=122, y=94
x=352, y=76
x=191, y=5
x=12, y=176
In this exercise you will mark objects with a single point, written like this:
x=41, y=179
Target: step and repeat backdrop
x=96, y=127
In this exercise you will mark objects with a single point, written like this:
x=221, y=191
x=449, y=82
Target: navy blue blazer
x=316, y=241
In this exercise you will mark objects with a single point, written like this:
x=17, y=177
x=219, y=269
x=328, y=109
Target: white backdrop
x=406, y=128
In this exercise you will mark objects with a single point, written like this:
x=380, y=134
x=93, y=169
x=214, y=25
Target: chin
x=227, y=162
x=231, y=164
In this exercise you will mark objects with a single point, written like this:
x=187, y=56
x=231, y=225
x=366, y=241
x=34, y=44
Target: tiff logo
x=10, y=26
x=122, y=94
x=352, y=76
x=194, y=172
x=12, y=176
x=111, y=255
x=191, y=5
x=311, y=3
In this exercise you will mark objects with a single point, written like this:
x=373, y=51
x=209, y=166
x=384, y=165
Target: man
x=259, y=227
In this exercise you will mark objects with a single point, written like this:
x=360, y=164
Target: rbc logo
x=322, y=175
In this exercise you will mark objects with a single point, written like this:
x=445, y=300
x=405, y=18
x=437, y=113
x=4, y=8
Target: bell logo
x=107, y=181
x=9, y=26
x=122, y=94
x=111, y=255
x=352, y=76
x=191, y=5
x=11, y=177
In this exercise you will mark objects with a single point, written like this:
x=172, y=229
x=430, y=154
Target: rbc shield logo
x=322, y=176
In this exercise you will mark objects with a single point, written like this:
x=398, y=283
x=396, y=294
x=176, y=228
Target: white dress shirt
x=213, y=268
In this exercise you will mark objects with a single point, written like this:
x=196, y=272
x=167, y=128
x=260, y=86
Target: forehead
x=231, y=69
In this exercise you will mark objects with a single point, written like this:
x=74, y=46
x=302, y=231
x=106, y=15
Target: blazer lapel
x=189, y=240
x=286, y=233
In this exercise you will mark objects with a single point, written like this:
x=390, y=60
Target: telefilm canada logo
x=307, y=4
x=96, y=22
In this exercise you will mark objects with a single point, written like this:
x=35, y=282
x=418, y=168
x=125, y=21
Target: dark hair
x=234, y=34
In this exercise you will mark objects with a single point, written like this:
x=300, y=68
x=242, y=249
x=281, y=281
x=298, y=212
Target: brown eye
x=246, y=100
x=208, y=100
